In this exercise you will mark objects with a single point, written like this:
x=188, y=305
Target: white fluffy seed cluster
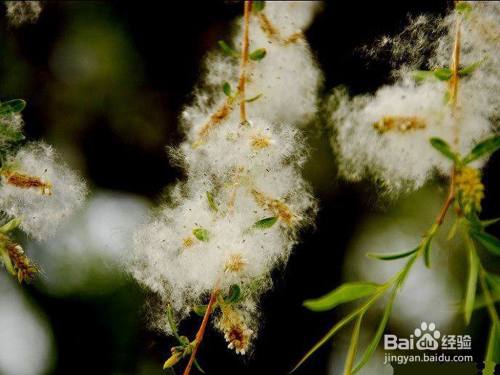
x=237, y=215
x=385, y=136
x=20, y=12
x=39, y=189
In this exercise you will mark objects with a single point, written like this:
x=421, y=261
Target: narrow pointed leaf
x=345, y=293
x=469, y=69
x=327, y=337
x=427, y=253
x=370, y=349
x=487, y=223
x=258, y=54
x=392, y=256
x=228, y=50
x=266, y=223
x=483, y=148
x=422, y=75
x=353, y=346
x=253, y=98
x=444, y=148
x=171, y=323
x=443, y=74
x=211, y=202
x=470, y=293
x=12, y=106
x=489, y=242
x=197, y=365
x=492, y=356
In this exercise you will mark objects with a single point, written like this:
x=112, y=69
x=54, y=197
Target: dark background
x=114, y=126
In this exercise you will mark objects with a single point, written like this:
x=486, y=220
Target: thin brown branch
x=244, y=60
x=201, y=330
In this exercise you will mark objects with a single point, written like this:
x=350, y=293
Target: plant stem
x=244, y=60
x=201, y=330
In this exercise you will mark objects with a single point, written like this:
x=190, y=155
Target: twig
x=244, y=60
x=201, y=330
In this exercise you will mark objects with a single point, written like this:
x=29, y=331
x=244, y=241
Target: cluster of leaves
x=475, y=229
x=9, y=135
x=475, y=233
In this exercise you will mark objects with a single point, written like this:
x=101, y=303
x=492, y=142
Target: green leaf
x=353, y=346
x=228, y=50
x=211, y=202
x=422, y=75
x=489, y=242
x=470, y=294
x=469, y=69
x=268, y=222
x=198, y=366
x=4, y=257
x=201, y=234
x=444, y=148
x=12, y=106
x=257, y=6
x=258, y=54
x=200, y=310
x=226, y=87
x=370, y=349
x=494, y=281
x=443, y=74
x=345, y=293
x=483, y=148
x=234, y=294
x=171, y=323
x=487, y=223
x=334, y=330
x=427, y=252
x=10, y=134
x=463, y=7
x=253, y=98
x=10, y=226
x=392, y=256
x=492, y=355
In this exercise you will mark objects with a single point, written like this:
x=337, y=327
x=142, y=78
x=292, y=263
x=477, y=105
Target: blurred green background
x=105, y=83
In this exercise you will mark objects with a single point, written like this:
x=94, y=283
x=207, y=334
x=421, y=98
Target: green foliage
x=201, y=234
x=484, y=148
x=12, y=106
x=345, y=293
x=372, y=346
x=266, y=223
x=444, y=148
x=353, y=346
x=444, y=74
x=470, y=293
x=10, y=226
x=488, y=241
x=258, y=6
x=258, y=54
x=463, y=7
x=228, y=50
x=393, y=256
x=234, y=295
x=211, y=202
x=253, y=98
x=226, y=87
